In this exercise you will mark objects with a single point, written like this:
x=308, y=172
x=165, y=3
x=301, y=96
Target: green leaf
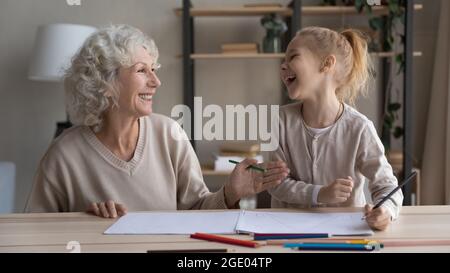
x=392, y=107
x=390, y=39
x=402, y=38
x=400, y=60
x=359, y=5
x=393, y=7
x=369, y=9
x=389, y=121
x=376, y=23
x=386, y=143
x=398, y=132
x=387, y=46
x=392, y=116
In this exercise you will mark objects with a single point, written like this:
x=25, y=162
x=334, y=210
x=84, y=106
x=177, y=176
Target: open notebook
x=230, y=222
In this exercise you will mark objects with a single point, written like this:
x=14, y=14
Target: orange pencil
x=347, y=241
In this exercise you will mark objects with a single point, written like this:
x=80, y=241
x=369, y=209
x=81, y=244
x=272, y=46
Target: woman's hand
x=108, y=209
x=337, y=192
x=378, y=218
x=246, y=182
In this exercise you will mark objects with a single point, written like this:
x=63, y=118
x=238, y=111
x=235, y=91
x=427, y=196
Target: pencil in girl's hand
x=407, y=180
x=249, y=167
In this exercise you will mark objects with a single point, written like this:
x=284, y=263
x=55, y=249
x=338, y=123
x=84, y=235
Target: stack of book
x=237, y=151
x=239, y=48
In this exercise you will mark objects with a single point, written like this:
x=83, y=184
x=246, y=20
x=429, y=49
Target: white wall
x=29, y=110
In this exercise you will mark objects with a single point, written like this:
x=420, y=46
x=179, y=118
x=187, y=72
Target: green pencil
x=249, y=167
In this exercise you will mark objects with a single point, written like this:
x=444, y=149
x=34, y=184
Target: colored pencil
x=409, y=178
x=249, y=167
x=226, y=240
x=337, y=248
x=274, y=236
x=347, y=241
x=332, y=246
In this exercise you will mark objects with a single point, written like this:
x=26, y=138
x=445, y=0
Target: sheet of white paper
x=175, y=223
x=293, y=222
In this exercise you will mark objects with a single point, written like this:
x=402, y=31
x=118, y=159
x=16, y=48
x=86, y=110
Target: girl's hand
x=337, y=192
x=378, y=218
x=246, y=182
x=108, y=209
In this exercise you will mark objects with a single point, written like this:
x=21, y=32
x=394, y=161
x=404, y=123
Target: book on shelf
x=240, y=46
x=240, y=52
x=241, y=154
x=237, y=48
x=240, y=146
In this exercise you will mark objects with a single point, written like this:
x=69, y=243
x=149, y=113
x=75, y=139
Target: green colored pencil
x=249, y=167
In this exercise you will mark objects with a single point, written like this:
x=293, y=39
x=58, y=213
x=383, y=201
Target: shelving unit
x=283, y=11
x=188, y=14
x=293, y=14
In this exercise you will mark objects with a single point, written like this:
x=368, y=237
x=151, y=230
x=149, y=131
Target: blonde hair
x=94, y=69
x=353, y=64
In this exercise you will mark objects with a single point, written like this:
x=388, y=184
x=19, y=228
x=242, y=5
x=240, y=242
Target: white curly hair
x=94, y=70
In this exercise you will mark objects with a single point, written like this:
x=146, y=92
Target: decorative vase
x=271, y=43
x=275, y=27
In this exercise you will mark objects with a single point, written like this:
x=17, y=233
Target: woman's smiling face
x=138, y=84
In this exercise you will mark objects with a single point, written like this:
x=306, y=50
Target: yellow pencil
x=347, y=241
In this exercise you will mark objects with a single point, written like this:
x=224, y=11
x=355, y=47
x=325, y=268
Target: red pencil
x=226, y=240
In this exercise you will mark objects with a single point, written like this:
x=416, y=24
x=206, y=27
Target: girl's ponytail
x=360, y=74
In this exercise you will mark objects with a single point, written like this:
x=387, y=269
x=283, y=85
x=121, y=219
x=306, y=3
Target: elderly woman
x=120, y=156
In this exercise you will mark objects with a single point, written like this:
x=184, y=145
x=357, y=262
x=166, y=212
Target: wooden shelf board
x=392, y=54
x=339, y=10
x=206, y=56
x=284, y=11
x=237, y=56
x=237, y=11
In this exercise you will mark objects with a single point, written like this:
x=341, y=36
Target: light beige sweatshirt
x=350, y=147
x=164, y=174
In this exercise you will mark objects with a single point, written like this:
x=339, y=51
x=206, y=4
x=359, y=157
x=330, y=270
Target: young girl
x=330, y=147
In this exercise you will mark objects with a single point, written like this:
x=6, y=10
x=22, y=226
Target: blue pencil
x=276, y=236
x=327, y=246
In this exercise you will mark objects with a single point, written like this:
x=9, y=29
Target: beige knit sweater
x=164, y=173
x=350, y=147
